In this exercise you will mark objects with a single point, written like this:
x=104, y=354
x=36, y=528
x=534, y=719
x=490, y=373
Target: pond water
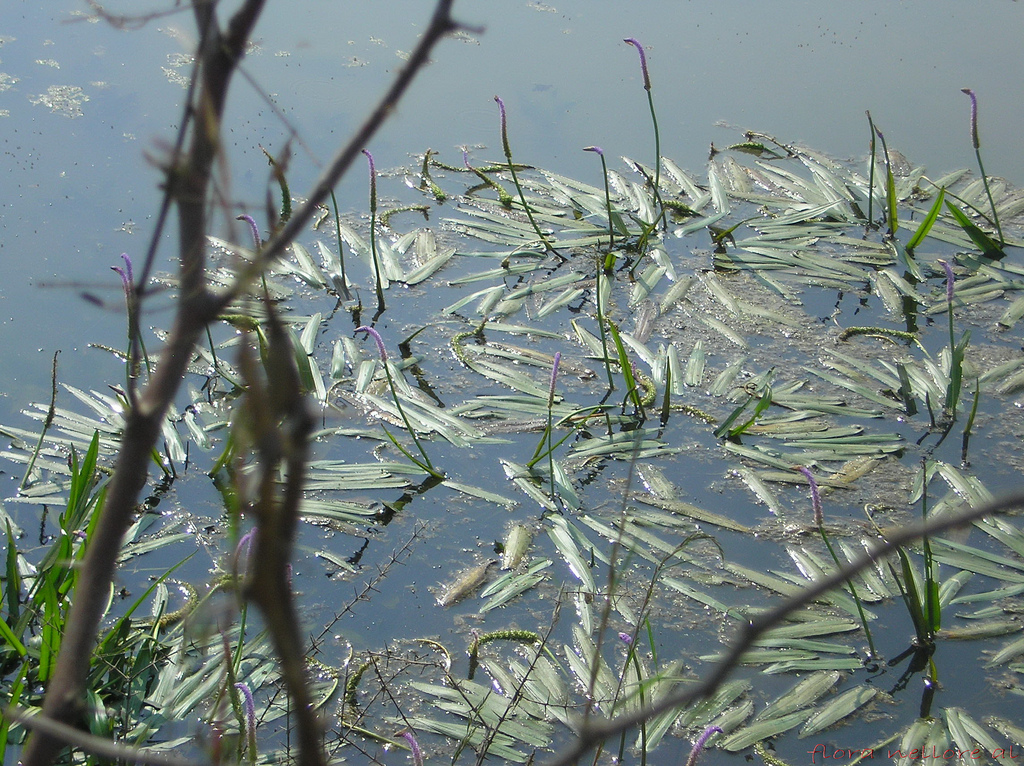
x=84, y=107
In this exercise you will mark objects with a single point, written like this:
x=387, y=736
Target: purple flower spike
x=414, y=746
x=702, y=741
x=595, y=149
x=376, y=336
x=974, y=116
x=554, y=377
x=950, y=279
x=373, y=181
x=504, y=128
x=244, y=548
x=127, y=278
x=253, y=228
x=819, y=516
x=625, y=638
x=643, y=60
x=249, y=706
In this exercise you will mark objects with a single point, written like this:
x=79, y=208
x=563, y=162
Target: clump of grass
x=425, y=463
x=507, y=148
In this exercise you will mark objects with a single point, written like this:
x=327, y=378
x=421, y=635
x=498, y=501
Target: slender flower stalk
x=507, y=148
x=956, y=352
x=425, y=464
x=819, y=516
x=547, y=436
x=819, y=522
x=607, y=194
x=892, y=215
x=136, y=345
x=373, y=233
x=701, y=743
x=249, y=707
x=976, y=143
x=606, y=266
x=554, y=378
x=551, y=427
x=657, y=134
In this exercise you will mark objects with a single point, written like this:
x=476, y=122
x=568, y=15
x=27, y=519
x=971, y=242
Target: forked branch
x=188, y=185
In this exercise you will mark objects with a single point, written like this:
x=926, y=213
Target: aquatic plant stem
x=607, y=193
x=657, y=133
x=604, y=265
x=507, y=148
x=871, y=170
x=819, y=522
x=341, y=248
x=426, y=465
x=932, y=607
x=956, y=351
x=550, y=428
x=976, y=142
x=378, y=281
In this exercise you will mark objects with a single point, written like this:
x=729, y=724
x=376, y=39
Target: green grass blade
x=985, y=243
x=929, y=220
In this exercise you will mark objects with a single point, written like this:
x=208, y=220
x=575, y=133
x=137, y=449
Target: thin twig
x=593, y=732
x=90, y=743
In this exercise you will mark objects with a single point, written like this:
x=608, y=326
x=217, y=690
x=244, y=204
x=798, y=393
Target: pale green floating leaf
x=564, y=299
x=646, y=282
x=491, y=497
x=693, y=512
x=803, y=694
x=725, y=331
x=1008, y=652
x=748, y=735
x=564, y=535
x=844, y=705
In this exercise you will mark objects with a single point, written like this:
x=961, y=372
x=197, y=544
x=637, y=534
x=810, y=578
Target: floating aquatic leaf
x=842, y=706
x=513, y=584
x=564, y=535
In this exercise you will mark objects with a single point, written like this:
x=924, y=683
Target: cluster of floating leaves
x=711, y=315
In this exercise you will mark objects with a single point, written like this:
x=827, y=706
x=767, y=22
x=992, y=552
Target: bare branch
x=188, y=183
x=90, y=743
x=593, y=732
x=440, y=24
